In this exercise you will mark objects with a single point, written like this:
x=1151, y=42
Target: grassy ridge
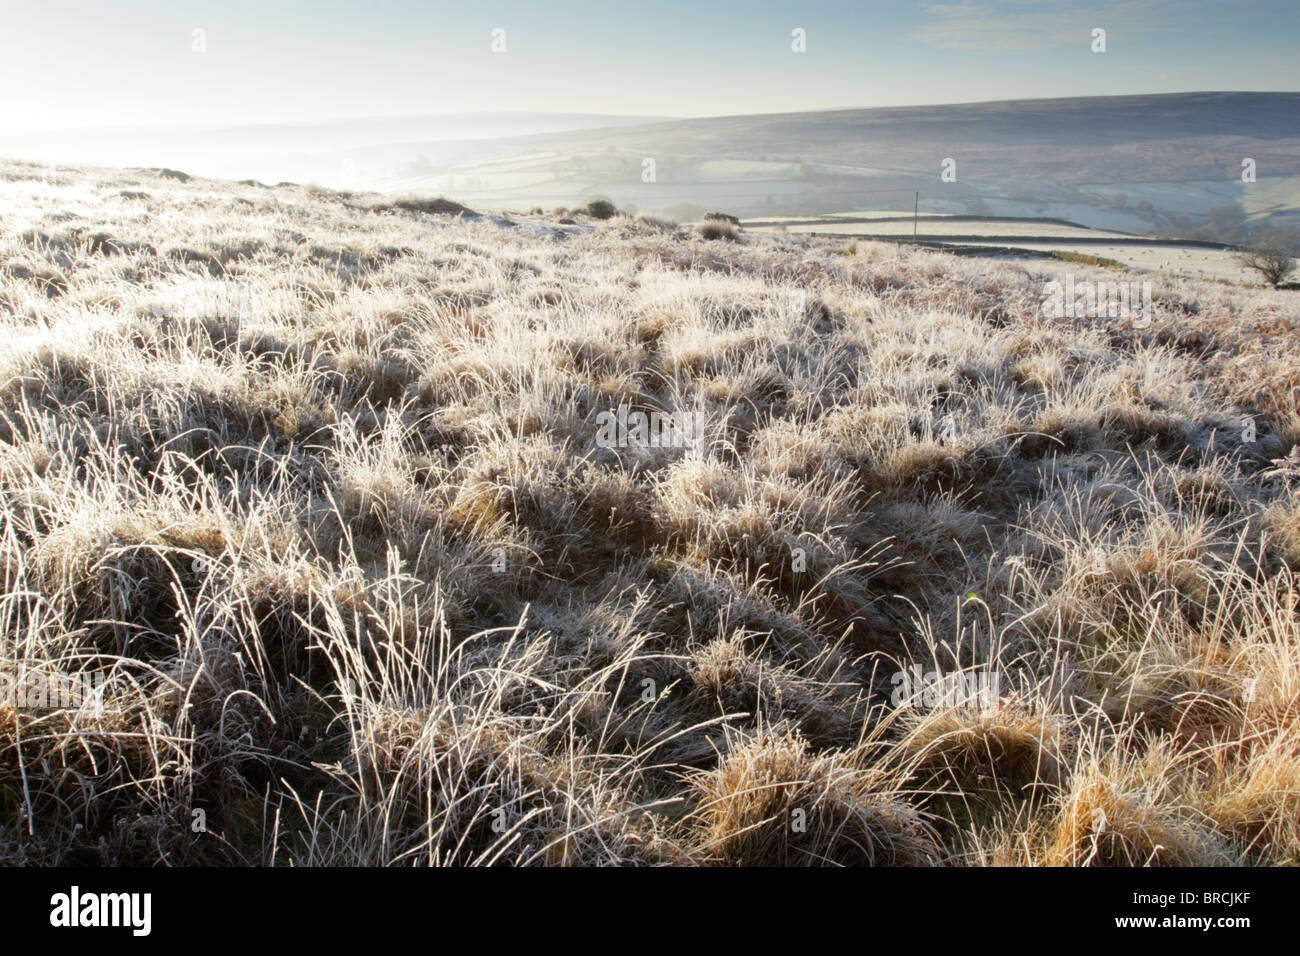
x=310, y=484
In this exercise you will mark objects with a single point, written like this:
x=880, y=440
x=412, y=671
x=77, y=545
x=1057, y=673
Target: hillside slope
x=316, y=491
x=1143, y=163
x=1139, y=163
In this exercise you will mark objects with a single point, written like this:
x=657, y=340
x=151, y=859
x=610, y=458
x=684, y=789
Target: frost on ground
x=311, y=553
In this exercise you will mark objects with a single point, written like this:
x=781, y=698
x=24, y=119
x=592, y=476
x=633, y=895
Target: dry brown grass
x=310, y=485
x=770, y=802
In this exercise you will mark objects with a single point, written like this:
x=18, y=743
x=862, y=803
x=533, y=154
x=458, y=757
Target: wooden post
x=916, y=204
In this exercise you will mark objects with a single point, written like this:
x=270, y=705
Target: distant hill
x=1095, y=160
x=1150, y=163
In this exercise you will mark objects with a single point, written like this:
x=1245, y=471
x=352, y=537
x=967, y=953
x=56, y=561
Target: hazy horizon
x=375, y=119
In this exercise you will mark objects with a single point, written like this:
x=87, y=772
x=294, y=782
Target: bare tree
x=1274, y=259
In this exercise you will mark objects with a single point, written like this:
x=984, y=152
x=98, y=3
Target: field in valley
x=1006, y=237
x=309, y=488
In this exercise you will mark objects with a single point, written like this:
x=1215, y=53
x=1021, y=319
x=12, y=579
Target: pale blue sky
x=80, y=62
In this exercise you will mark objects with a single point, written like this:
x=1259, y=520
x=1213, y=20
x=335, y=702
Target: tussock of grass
x=432, y=207
x=718, y=229
x=977, y=763
x=772, y=803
